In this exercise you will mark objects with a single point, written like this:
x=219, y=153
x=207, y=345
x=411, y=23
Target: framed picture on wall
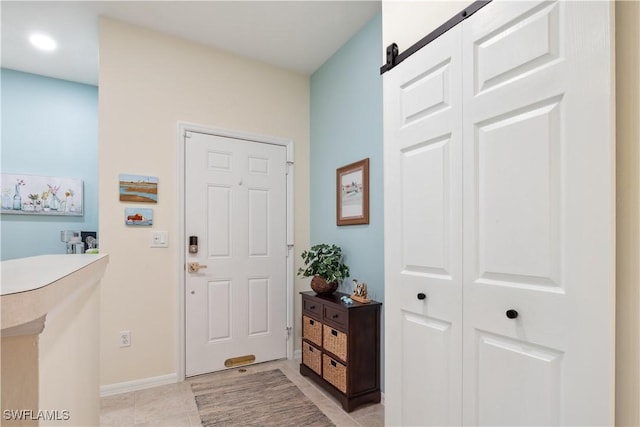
x=138, y=188
x=352, y=193
x=41, y=195
x=138, y=216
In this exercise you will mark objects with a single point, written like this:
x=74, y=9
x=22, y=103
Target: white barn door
x=524, y=336
x=538, y=215
x=423, y=236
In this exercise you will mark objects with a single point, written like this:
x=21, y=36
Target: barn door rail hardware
x=394, y=57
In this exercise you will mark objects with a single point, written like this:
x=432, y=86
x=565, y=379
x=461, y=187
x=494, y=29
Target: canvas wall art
x=138, y=188
x=138, y=216
x=41, y=195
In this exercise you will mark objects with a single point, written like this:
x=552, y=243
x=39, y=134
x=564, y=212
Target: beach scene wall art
x=138, y=216
x=138, y=188
x=352, y=193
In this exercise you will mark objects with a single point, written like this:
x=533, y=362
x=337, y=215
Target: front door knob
x=193, y=267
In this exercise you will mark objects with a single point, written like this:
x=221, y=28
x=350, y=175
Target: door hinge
x=289, y=166
x=287, y=332
x=187, y=134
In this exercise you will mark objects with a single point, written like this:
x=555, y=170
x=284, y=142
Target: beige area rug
x=262, y=399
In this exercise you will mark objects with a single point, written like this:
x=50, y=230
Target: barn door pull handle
x=512, y=314
x=421, y=296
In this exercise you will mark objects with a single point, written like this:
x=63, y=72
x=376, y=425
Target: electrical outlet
x=125, y=338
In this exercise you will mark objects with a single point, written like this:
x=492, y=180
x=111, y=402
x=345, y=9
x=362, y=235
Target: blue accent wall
x=49, y=128
x=346, y=126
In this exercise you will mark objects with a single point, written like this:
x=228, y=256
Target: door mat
x=262, y=399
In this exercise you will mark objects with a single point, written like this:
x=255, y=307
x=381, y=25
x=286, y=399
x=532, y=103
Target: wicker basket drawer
x=312, y=330
x=335, y=373
x=335, y=342
x=312, y=357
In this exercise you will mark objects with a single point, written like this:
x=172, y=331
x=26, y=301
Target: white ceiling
x=297, y=35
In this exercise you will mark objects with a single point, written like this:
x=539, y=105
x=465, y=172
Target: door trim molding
x=182, y=128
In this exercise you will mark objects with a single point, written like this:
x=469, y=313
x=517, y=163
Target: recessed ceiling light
x=43, y=42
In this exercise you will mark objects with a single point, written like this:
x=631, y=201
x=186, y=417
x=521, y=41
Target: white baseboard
x=125, y=387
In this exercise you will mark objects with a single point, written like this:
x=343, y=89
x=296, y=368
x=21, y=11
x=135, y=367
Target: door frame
x=184, y=127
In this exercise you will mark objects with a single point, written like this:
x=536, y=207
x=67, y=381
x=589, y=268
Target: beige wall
x=406, y=22
x=628, y=213
x=149, y=82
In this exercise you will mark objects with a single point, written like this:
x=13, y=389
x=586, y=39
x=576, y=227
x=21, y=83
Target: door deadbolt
x=194, y=267
x=193, y=244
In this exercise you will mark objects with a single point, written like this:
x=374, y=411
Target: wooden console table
x=341, y=347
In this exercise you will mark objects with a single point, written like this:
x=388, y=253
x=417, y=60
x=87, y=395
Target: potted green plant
x=324, y=264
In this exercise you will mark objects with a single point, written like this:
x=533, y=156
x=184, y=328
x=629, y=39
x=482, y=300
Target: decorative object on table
x=345, y=299
x=360, y=292
x=90, y=240
x=73, y=240
x=138, y=188
x=138, y=216
x=92, y=245
x=352, y=193
x=324, y=264
x=39, y=195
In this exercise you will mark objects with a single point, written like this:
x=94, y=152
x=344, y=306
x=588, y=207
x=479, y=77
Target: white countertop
x=32, y=287
x=27, y=274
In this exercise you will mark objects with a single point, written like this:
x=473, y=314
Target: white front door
x=504, y=220
x=235, y=203
x=423, y=236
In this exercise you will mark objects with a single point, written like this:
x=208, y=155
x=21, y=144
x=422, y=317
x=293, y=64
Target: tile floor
x=174, y=405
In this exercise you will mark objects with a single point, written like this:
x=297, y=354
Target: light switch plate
x=159, y=239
